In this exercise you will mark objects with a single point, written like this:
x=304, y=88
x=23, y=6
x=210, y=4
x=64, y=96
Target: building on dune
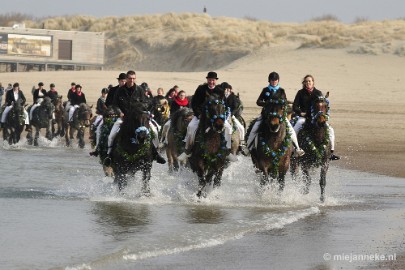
x=26, y=49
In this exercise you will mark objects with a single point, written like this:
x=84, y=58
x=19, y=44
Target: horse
x=109, y=118
x=14, y=125
x=41, y=118
x=132, y=151
x=272, y=153
x=314, y=140
x=209, y=151
x=59, y=118
x=177, y=131
x=80, y=120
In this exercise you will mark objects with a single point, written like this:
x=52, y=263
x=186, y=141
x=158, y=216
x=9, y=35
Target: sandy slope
x=366, y=93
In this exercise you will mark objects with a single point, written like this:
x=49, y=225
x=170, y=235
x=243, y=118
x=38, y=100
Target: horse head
x=48, y=107
x=215, y=113
x=274, y=113
x=84, y=114
x=320, y=111
x=181, y=119
x=137, y=123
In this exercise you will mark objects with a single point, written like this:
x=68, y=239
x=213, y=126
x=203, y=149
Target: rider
x=302, y=108
x=76, y=99
x=197, y=104
x=13, y=96
x=70, y=93
x=233, y=102
x=52, y=93
x=122, y=78
x=38, y=97
x=130, y=91
x=273, y=91
x=100, y=109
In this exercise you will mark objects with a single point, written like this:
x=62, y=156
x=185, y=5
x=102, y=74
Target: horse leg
x=201, y=183
x=48, y=134
x=80, y=136
x=281, y=181
x=217, y=179
x=145, y=181
x=29, y=137
x=36, y=136
x=121, y=180
x=322, y=182
x=67, y=136
x=264, y=178
x=307, y=180
x=294, y=168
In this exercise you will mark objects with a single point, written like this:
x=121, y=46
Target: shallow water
x=59, y=212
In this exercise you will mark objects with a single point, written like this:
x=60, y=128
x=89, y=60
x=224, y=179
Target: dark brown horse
x=59, y=118
x=14, y=125
x=314, y=140
x=132, y=151
x=209, y=151
x=80, y=121
x=177, y=131
x=41, y=118
x=271, y=156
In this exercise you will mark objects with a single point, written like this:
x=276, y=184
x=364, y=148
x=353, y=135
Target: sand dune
x=197, y=42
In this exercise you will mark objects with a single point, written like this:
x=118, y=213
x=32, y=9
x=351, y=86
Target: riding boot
x=333, y=156
x=94, y=153
x=157, y=156
x=107, y=161
x=27, y=127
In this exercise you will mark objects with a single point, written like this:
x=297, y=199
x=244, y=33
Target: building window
x=65, y=49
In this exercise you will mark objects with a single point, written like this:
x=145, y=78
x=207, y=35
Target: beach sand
x=366, y=95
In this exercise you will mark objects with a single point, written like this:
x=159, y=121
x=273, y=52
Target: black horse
x=59, y=118
x=14, y=125
x=314, y=140
x=132, y=151
x=209, y=151
x=177, y=131
x=41, y=118
x=271, y=156
x=80, y=120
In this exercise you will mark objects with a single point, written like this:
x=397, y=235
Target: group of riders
x=119, y=98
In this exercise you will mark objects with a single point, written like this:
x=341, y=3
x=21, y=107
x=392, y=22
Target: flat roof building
x=25, y=49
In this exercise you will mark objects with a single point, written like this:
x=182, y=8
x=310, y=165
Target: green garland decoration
x=311, y=149
x=276, y=154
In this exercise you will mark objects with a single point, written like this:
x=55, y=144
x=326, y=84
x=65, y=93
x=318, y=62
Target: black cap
x=212, y=75
x=40, y=84
x=16, y=84
x=52, y=85
x=104, y=91
x=274, y=76
x=122, y=76
x=73, y=83
x=78, y=86
x=226, y=85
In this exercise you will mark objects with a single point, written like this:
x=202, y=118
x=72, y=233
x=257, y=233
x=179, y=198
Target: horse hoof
x=322, y=198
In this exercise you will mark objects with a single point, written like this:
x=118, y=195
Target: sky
x=347, y=11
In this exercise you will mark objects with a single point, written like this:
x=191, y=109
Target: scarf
x=180, y=102
x=309, y=90
x=273, y=88
x=79, y=93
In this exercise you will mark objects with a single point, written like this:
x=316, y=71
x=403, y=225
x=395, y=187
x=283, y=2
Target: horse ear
x=91, y=107
x=327, y=94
